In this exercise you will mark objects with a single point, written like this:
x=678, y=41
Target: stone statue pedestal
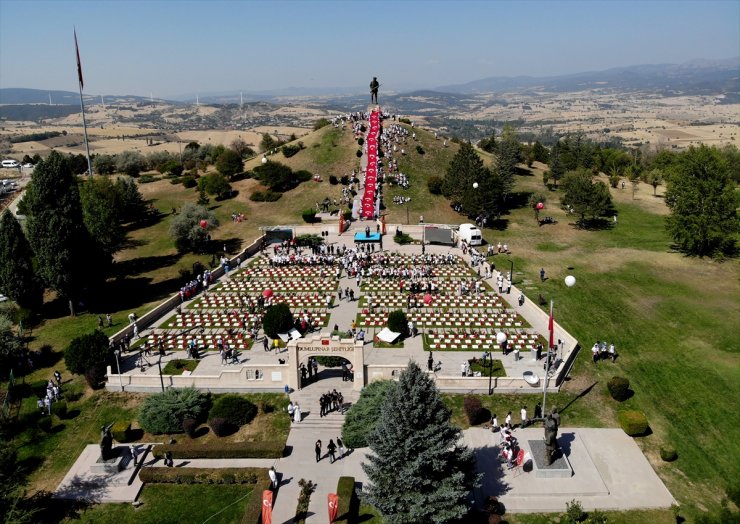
x=560, y=467
x=110, y=466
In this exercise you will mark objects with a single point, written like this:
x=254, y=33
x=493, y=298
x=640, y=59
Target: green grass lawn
x=177, y=366
x=222, y=504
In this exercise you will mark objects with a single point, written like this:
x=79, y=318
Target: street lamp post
x=490, y=369
x=511, y=273
x=117, y=353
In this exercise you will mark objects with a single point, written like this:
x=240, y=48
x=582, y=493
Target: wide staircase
x=308, y=399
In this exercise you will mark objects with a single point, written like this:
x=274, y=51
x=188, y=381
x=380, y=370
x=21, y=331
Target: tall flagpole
x=82, y=105
x=548, y=363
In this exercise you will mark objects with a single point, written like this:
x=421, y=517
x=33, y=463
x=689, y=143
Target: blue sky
x=173, y=47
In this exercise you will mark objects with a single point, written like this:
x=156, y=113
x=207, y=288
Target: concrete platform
x=609, y=473
x=559, y=468
x=81, y=483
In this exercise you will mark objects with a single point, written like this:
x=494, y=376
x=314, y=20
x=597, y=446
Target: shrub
x=235, y=409
x=344, y=180
x=348, y=214
x=597, y=517
x=265, y=196
x=359, y=153
x=360, y=141
x=189, y=425
x=121, y=431
x=434, y=183
x=574, y=511
x=473, y=410
x=266, y=407
x=309, y=240
x=146, y=179
x=161, y=475
x=73, y=391
x=193, y=450
x=402, y=239
x=619, y=388
x=405, y=121
x=333, y=180
x=668, y=453
x=330, y=362
x=419, y=149
x=397, y=321
x=277, y=319
x=290, y=149
x=88, y=355
x=634, y=423
x=59, y=408
x=302, y=175
x=321, y=122
x=364, y=415
x=221, y=427
x=189, y=181
x=164, y=412
x=309, y=215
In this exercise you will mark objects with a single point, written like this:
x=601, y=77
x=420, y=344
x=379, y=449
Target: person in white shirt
x=523, y=414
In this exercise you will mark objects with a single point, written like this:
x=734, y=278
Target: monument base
x=110, y=466
x=560, y=467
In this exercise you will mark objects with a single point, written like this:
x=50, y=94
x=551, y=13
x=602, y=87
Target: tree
x=101, y=211
x=187, y=228
x=703, y=204
x=585, y=196
x=215, y=184
x=321, y=122
x=278, y=319
x=18, y=279
x=465, y=169
x=229, y=163
x=66, y=255
x=78, y=163
x=418, y=471
x=130, y=163
x=241, y=148
x=89, y=355
x=540, y=153
x=104, y=164
x=508, y=155
x=488, y=144
x=654, y=177
x=13, y=504
x=365, y=414
x=132, y=205
x=13, y=353
x=268, y=143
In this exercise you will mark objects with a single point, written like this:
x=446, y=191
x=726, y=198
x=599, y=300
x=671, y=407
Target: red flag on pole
x=79, y=64
x=333, y=507
x=552, y=328
x=267, y=507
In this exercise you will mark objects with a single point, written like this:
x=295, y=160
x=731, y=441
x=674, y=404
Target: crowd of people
x=600, y=351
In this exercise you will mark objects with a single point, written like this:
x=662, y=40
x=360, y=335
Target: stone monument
x=106, y=442
x=551, y=435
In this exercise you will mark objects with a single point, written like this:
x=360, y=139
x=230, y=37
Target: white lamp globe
x=570, y=281
x=264, y=159
x=475, y=185
x=500, y=337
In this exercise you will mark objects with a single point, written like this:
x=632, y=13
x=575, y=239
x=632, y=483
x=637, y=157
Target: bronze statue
x=551, y=436
x=374, y=85
x=106, y=442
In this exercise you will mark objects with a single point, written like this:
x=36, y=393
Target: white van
x=10, y=163
x=470, y=234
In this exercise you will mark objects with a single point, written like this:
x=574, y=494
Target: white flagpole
x=82, y=105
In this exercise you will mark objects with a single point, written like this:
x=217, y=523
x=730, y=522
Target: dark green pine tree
x=419, y=471
x=66, y=256
x=17, y=278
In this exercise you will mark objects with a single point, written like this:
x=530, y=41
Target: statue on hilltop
x=374, y=85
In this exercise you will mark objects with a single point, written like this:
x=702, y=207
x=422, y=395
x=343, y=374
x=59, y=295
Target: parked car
x=27, y=166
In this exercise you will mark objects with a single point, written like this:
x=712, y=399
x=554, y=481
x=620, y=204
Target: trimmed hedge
x=634, y=423
x=163, y=475
x=235, y=409
x=121, y=431
x=348, y=506
x=189, y=426
x=59, y=408
x=668, y=453
x=164, y=412
x=192, y=450
x=473, y=410
x=619, y=388
x=253, y=510
x=222, y=427
x=398, y=322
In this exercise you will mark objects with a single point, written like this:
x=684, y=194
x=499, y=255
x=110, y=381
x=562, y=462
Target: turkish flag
x=333, y=507
x=551, y=327
x=267, y=507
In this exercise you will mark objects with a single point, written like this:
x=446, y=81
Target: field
x=673, y=318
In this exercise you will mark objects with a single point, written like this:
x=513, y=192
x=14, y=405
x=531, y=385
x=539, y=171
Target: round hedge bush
x=619, y=388
x=668, y=453
x=398, y=322
x=278, y=319
x=234, y=409
x=166, y=411
x=634, y=423
x=221, y=427
x=189, y=425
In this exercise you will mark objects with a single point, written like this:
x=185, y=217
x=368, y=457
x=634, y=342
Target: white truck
x=470, y=234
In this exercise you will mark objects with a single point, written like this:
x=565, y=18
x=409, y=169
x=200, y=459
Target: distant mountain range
x=707, y=77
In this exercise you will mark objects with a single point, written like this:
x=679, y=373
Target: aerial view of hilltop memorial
x=501, y=290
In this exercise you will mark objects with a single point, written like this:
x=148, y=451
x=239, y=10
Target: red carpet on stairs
x=369, y=199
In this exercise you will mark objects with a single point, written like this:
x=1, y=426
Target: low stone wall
x=253, y=378
x=456, y=384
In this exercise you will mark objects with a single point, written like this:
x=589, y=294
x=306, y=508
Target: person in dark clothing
x=331, y=448
x=374, y=85
x=430, y=362
x=317, y=448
